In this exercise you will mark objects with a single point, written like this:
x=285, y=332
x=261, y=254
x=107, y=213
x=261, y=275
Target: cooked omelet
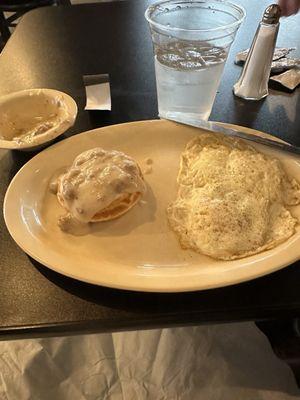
x=232, y=200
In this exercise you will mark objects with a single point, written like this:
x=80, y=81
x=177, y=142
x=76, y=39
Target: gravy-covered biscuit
x=100, y=185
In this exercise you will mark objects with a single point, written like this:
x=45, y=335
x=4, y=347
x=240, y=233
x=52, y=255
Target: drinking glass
x=191, y=41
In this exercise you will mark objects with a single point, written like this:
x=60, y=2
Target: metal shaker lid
x=272, y=14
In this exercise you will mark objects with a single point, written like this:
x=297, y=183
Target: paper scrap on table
x=279, y=52
x=287, y=69
x=97, y=90
x=290, y=79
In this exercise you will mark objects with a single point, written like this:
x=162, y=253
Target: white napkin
x=215, y=362
x=97, y=90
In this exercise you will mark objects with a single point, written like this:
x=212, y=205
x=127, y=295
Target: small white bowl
x=31, y=118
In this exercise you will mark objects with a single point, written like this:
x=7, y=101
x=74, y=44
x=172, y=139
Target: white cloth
x=228, y=362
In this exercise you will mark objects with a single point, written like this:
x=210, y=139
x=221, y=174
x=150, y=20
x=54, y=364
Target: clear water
x=187, y=78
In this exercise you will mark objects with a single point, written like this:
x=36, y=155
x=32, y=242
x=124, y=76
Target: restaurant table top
x=54, y=47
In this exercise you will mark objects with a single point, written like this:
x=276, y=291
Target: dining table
x=55, y=47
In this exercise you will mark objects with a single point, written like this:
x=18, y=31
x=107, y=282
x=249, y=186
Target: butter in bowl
x=30, y=119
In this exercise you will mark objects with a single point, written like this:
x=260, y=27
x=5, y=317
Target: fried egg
x=232, y=200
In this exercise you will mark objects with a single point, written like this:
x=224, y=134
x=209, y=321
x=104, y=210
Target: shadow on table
x=113, y=298
x=132, y=301
x=245, y=301
x=245, y=112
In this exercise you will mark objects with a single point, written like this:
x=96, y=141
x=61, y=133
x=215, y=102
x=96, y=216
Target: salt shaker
x=253, y=82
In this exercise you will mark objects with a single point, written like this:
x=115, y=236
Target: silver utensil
x=215, y=127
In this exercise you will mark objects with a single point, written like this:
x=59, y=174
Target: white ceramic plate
x=137, y=251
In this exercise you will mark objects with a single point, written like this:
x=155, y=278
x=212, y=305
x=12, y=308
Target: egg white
x=232, y=200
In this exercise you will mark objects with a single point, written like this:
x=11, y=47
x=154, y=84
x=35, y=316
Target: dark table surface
x=53, y=47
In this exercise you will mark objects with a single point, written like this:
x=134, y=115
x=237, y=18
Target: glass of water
x=191, y=40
